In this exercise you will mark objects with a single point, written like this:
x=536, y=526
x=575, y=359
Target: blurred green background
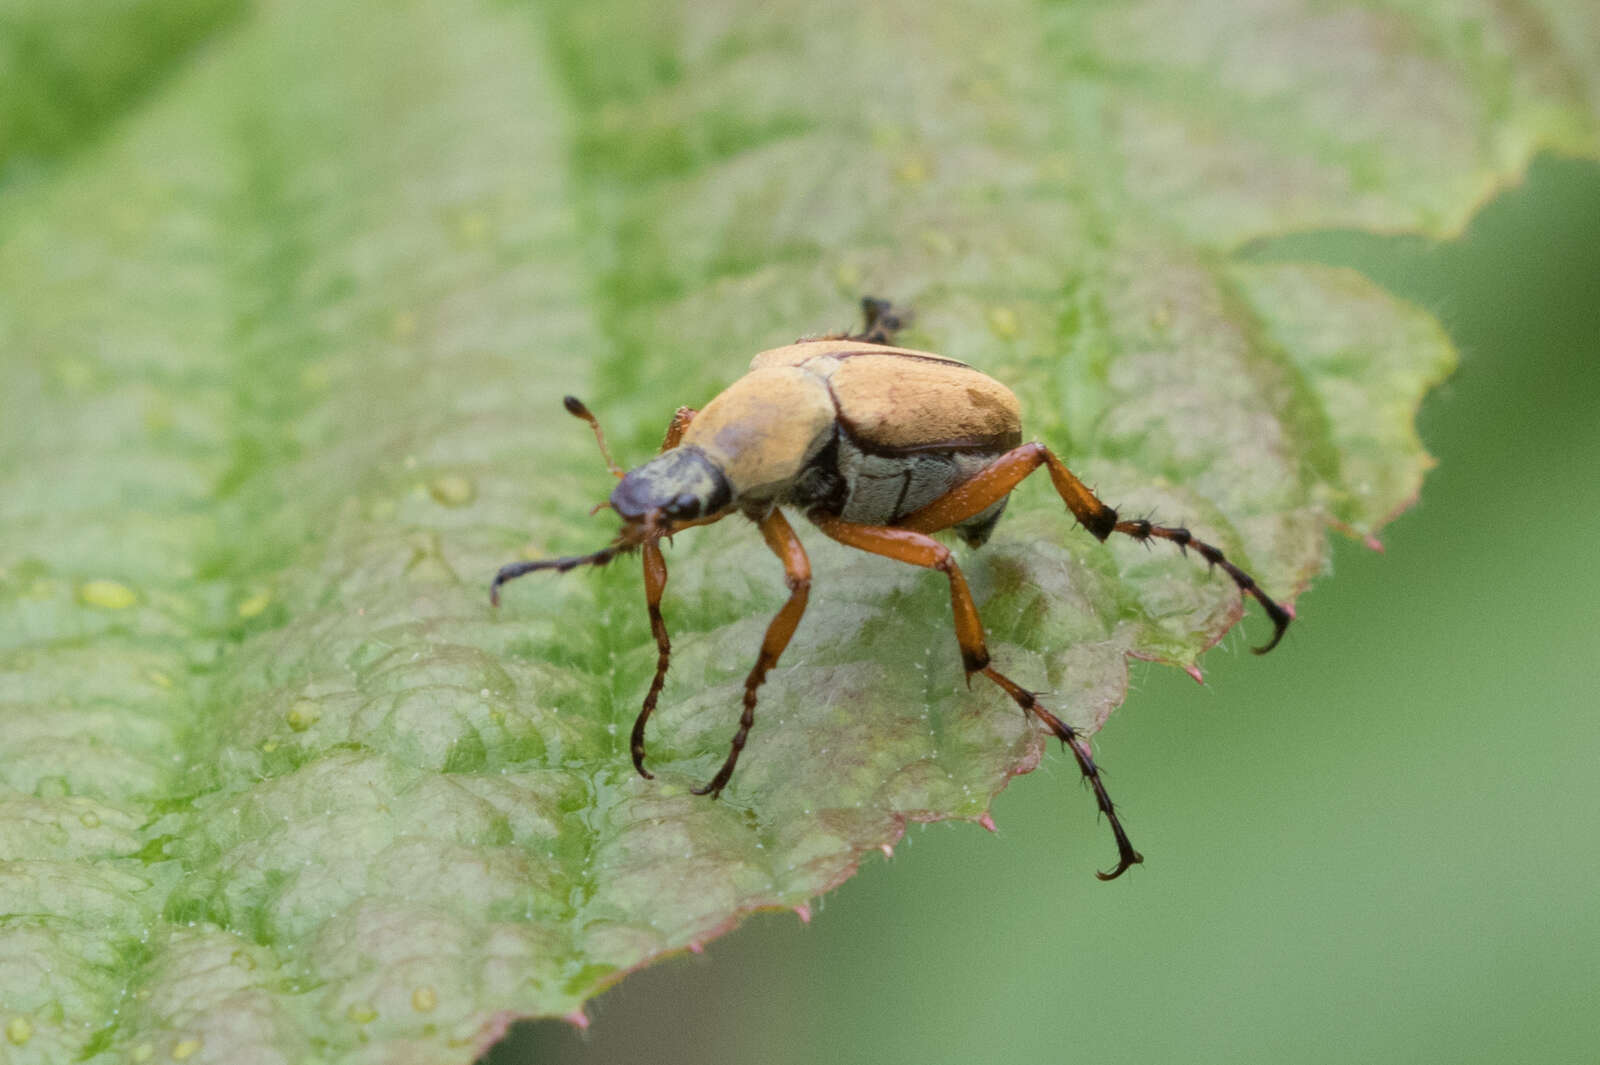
x=1376, y=844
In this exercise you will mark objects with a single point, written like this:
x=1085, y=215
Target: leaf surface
x=282, y=340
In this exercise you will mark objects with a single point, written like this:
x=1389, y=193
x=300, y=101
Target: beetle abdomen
x=883, y=488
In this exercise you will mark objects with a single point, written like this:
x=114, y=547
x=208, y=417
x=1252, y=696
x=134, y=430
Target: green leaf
x=287, y=303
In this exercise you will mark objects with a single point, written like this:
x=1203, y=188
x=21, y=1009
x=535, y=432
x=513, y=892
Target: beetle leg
x=995, y=481
x=655, y=582
x=1072, y=740
x=880, y=321
x=906, y=545
x=680, y=421
x=920, y=549
x=797, y=574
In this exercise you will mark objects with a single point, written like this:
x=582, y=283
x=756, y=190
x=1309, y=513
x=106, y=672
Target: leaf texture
x=283, y=338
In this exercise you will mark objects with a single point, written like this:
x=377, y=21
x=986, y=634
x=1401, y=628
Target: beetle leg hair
x=797, y=574
x=920, y=549
x=995, y=481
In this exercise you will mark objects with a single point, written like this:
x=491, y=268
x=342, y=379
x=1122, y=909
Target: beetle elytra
x=879, y=447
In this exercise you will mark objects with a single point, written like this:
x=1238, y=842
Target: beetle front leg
x=920, y=549
x=995, y=481
x=797, y=574
x=655, y=583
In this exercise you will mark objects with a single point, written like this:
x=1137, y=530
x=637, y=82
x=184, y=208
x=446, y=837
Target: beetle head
x=677, y=486
x=681, y=486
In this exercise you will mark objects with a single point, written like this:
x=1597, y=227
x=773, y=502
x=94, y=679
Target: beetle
x=879, y=447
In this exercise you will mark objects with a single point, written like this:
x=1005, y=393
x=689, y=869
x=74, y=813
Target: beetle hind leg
x=996, y=480
x=920, y=549
x=880, y=321
x=1144, y=530
x=1073, y=740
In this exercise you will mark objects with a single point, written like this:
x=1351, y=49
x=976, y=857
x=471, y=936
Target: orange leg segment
x=995, y=481
x=920, y=549
x=680, y=421
x=786, y=545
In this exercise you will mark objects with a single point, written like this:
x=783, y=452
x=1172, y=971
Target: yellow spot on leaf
x=255, y=605
x=107, y=595
x=158, y=678
x=887, y=135
x=89, y=819
x=75, y=374
x=1004, y=322
x=1056, y=167
x=316, y=377
x=424, y=999
x=303, y=714
x=938, y=242
x=19, y=1030
x=361, y=1012
x=184, y=1049
x=985, y=90
x=158, y=417
x=452, y=490
x=473, y=227
x=913, y=170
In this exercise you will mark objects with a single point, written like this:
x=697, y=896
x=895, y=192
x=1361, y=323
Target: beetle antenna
x=511, y=571
x=576, y=408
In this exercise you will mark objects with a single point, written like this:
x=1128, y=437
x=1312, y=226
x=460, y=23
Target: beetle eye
x=684, y=506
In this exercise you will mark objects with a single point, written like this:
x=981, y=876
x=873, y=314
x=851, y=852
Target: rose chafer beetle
x=879, y=447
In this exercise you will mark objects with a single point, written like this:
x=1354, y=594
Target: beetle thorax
x=764, y=429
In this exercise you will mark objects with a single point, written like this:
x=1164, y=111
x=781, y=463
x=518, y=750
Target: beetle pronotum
x=880, y=447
